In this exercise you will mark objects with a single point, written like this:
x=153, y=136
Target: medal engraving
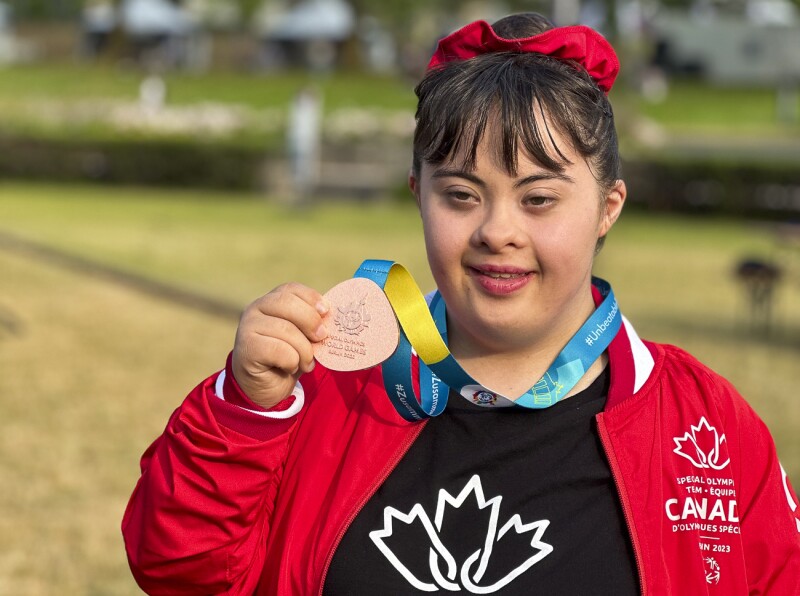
x=362, y=328
x=353, y=318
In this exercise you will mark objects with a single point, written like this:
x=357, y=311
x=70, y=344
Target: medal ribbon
x=423, y=329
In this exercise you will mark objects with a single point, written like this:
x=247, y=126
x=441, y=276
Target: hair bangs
x=457, y=118
x=457, y=110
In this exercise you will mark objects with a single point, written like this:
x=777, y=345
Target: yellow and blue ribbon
x=423, y=329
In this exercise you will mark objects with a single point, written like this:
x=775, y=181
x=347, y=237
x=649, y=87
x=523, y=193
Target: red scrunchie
x=582, y=44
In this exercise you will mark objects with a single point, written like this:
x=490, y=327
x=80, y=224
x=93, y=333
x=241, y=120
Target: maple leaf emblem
x=702, y=446
x=444, y=571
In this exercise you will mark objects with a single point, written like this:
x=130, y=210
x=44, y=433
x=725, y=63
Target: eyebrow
x=447, y=173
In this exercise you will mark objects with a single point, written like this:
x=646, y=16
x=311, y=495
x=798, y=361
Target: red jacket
x=233, y=503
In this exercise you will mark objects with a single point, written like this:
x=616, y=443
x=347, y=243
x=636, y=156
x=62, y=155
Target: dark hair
x=457, y=99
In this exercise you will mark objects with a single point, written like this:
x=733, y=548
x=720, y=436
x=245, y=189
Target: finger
x=264, y=353
x=288, y=306
x=268, y=326
x=308, y=295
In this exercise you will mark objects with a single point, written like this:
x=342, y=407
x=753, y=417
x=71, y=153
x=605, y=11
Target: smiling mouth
x=501, y=272
x=502, y=275
x=499, y=280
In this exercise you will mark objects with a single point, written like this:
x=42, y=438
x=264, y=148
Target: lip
x=500, y=286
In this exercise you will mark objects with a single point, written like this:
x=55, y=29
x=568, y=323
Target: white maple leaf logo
x=702, y=446
x=473, y=570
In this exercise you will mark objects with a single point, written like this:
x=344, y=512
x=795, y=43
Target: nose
x=499, y=228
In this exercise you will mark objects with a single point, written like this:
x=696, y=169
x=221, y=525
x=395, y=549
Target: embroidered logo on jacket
x=702, y=446
x=473, y=569
x=712, y=570
x=701, y=508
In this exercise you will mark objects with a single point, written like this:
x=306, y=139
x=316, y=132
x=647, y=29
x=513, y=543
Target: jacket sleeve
x=199, y=516
x=768, y=510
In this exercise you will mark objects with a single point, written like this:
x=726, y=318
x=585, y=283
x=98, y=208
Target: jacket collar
x=631, y=361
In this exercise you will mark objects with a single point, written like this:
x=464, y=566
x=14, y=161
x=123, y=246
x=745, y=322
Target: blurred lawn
x=90, y=370
x=690, y=108
x=696, y=109
x=76, y=81
x=74, y=103
x=229, y=246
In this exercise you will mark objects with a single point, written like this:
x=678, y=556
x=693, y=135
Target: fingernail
x=321, y=332
x=322, y=307
x=313, y=364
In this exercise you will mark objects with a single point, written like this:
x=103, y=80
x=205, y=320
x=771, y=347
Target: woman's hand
x=273, y=342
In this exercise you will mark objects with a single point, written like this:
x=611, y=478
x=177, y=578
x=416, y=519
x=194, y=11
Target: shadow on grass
x=65, y=260
x=726, y=331
x=10, y=323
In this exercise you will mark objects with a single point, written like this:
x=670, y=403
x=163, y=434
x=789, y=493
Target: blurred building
x=12, y=49
x=98, y=22
x=158, y=30
x=155, y=33
x=6, y=34
x=310, y=33
x=759, y=44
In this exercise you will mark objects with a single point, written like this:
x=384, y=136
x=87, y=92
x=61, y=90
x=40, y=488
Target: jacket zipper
x=623, y=497
x=388, y=469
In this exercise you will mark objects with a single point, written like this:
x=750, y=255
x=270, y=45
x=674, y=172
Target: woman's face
x=512, y=256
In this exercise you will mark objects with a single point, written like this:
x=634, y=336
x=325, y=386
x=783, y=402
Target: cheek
x=438, y=244
x=444, y=243
x=569, y=241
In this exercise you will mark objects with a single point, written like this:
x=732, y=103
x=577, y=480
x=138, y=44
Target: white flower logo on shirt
x=473, y=569
x=702, y=446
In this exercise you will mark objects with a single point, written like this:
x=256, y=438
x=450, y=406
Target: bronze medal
x=362, y=328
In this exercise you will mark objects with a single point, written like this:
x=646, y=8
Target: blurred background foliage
x=147, y=194
x=198, y=92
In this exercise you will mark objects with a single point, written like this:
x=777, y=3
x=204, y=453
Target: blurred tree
x=248, y=8
x=400, y=16
x=397, y=15
x=46, y=9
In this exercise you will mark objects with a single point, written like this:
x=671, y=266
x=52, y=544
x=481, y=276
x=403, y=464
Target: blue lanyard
x=436, y=378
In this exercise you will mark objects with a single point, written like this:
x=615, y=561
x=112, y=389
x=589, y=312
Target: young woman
x=629, y=469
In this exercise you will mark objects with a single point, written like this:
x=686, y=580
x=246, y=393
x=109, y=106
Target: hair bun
x=578, y=43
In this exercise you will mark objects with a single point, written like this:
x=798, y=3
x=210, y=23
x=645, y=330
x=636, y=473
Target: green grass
x=687, y=104
x=691, y=107
x=226, y=245
x=91, y=370
x=90, y=373
x=71, y=82
x=699, y=122
x=70, y=102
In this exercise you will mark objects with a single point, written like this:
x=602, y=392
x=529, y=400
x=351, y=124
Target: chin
x=502, y=327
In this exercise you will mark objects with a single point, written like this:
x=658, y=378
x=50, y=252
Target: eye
x=459, y=196
x=539, y=201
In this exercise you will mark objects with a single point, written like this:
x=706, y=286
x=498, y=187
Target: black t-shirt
x=494, y=501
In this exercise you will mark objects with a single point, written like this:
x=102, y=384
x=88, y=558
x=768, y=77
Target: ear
x=413, y=184
x=615, y=199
